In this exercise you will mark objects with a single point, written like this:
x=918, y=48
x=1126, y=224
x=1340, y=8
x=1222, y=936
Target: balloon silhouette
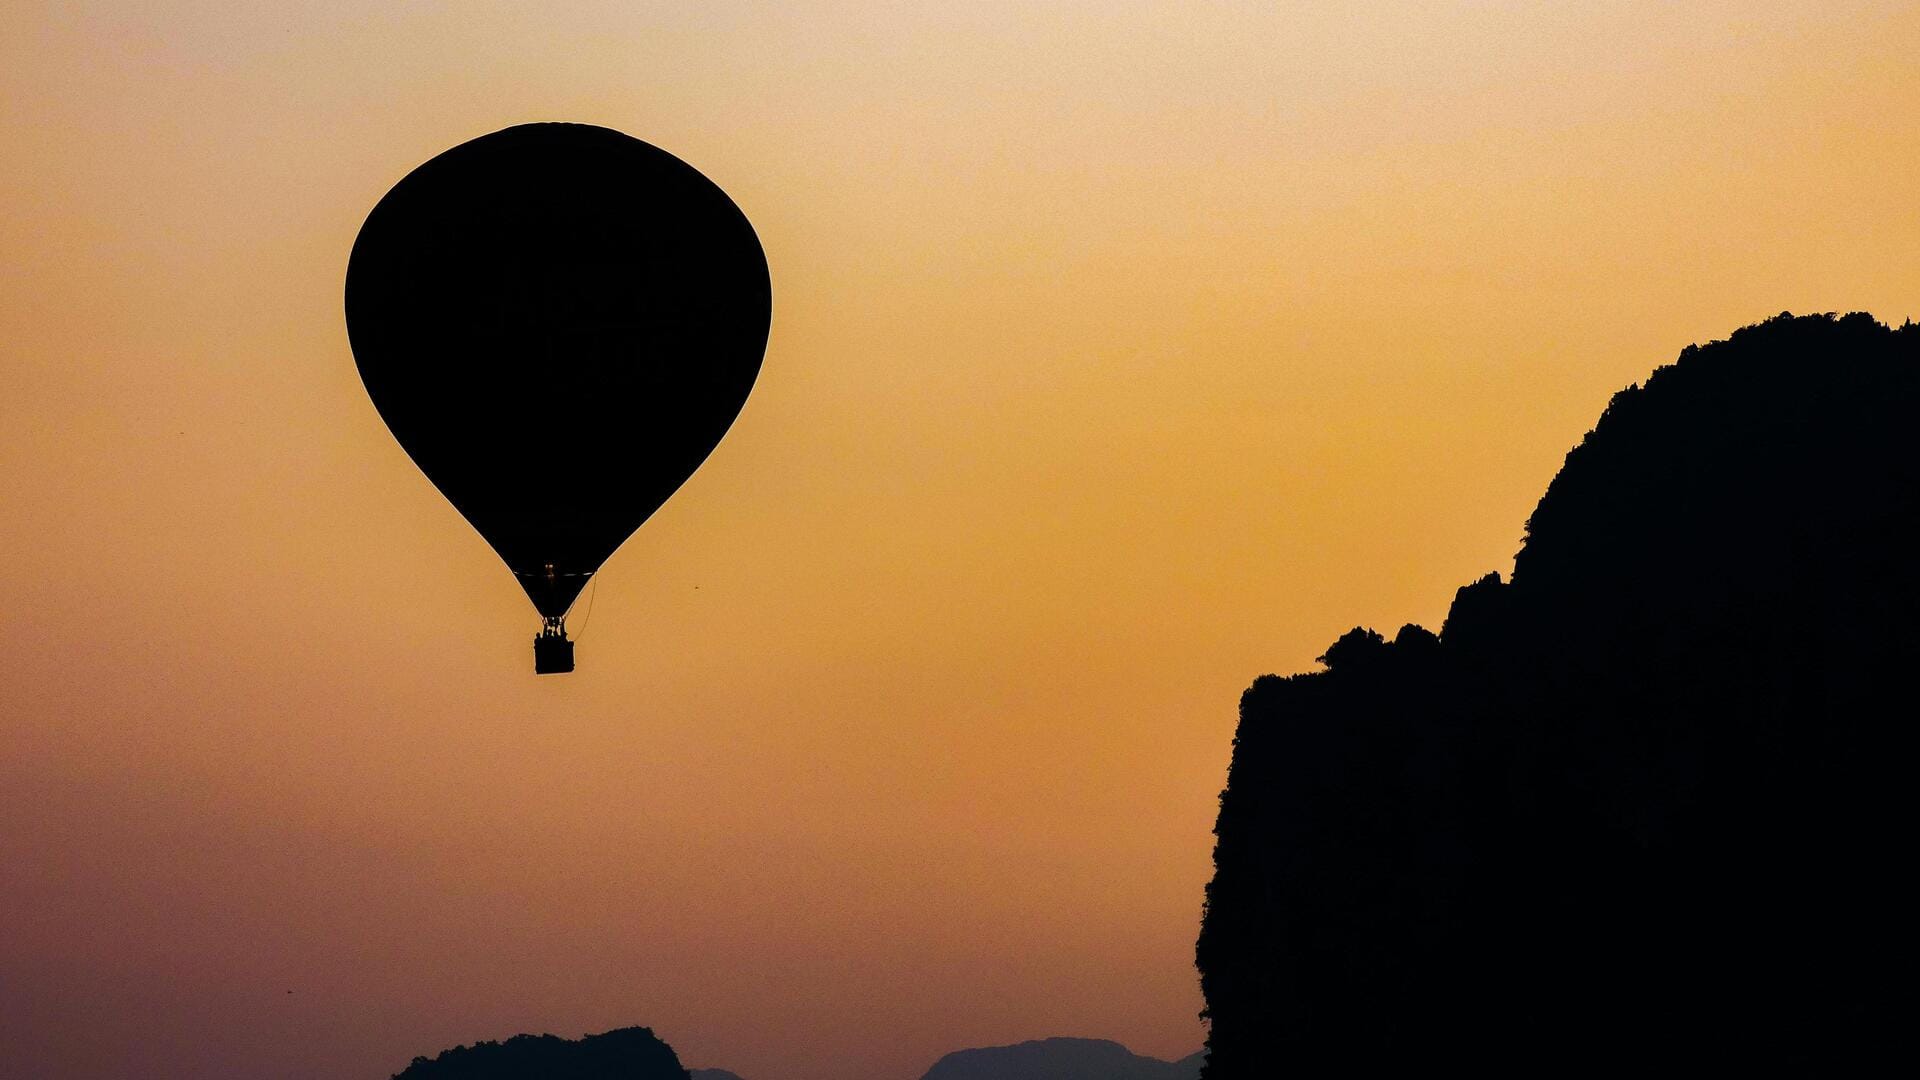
x=558, y=322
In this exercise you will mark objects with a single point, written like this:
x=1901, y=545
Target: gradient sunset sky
x=1121, y=352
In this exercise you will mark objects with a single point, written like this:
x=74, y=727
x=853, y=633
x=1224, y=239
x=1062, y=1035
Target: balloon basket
x=552, y=654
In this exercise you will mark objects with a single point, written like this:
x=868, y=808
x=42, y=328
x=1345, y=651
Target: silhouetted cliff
x=625, y=1054
x=1060, y=1059
x=1638, y=810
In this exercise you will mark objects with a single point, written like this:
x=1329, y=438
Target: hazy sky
x=1121, y=352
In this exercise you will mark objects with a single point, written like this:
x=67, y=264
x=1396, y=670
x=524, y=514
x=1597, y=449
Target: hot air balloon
x=558, y=322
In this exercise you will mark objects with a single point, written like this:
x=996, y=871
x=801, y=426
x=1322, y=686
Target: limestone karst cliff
x=1639, y=808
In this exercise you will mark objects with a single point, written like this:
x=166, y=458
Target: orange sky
x=1121, y=352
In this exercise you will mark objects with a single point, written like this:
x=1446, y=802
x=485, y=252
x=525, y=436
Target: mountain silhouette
x=625, y=1054
x=1639, y=809
x=1060, y=1059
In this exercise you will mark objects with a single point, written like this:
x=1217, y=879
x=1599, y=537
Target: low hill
x=625, y=1054
x=1059, y=1059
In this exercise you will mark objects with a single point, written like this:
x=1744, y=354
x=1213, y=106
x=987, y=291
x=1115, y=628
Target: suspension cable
x=592, y=591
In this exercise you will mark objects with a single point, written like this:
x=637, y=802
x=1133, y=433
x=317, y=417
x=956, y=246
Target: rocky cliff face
x=1641, y=807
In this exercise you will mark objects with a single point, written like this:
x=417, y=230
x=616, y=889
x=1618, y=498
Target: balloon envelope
x=558, y=322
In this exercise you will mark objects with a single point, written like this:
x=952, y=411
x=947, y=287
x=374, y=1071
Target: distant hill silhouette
x=1644, y=807
x=625, y=1054
x=712, y=1074
x=1060, y=1059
